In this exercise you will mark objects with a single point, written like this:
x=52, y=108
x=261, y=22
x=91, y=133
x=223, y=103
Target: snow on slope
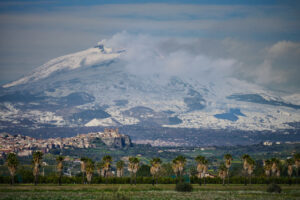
x=294, y=98
x=101, y=122
x=89, y=57
x=12, y=114
x=159, y=94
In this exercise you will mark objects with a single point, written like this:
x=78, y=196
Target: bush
x=120, y=196
x=183, y=187
x=274, y=188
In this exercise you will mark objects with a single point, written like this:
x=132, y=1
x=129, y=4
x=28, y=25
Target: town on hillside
x=25, y=145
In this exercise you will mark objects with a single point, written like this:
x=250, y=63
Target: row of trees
x=103, y=168
x=271, y=166
x=12, y=163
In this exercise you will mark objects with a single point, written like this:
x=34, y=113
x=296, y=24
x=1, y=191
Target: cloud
x=281, y=66
x=284, y=48
x=275, y=66
x=212, y=40
x=146, y=55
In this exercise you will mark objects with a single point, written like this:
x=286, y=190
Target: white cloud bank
x=147, y=55
x=281, y=66
x=275, y=66
x=258, y=43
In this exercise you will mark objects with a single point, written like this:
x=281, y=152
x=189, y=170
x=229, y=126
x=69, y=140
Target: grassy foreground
x=143, y=192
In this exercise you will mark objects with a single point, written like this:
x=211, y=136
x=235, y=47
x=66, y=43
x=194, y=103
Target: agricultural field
x=144, y=192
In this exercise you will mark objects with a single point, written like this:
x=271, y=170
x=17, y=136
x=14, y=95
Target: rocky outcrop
x=118, y=142
x=112, y=138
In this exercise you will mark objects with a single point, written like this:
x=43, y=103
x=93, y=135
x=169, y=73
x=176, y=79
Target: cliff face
x=118, y=142
x=112, y=138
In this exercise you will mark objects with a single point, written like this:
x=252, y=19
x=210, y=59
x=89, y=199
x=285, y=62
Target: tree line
x=272, y=169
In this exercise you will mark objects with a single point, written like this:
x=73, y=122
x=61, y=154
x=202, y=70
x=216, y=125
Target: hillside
x=95, y=88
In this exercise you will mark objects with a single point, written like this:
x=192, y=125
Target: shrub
x=183, y=187
x=274, y=188
x=120, y=196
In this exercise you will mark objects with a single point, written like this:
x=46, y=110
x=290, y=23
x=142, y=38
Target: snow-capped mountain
x=93, y=88
x=86, y=58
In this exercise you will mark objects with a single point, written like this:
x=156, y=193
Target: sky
x=257, y=41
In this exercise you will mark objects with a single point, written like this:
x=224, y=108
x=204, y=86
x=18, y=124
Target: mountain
x=93, y=88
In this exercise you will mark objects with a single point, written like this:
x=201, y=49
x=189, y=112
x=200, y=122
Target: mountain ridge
x=94, y=88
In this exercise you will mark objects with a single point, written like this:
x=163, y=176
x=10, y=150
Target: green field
x=143, y=192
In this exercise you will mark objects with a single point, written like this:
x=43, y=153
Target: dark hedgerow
x=26, y=176
x=183, y=187
x=274, y=188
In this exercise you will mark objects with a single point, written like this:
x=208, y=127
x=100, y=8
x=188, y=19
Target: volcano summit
x=103, y=87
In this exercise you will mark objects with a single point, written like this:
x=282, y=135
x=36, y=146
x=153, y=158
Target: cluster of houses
x=25, y=145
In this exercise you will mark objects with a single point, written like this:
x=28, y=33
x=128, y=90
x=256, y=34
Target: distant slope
x=93, y=88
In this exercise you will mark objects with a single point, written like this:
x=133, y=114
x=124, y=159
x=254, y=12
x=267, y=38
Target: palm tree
x=175, y=167
x=99, y=167
x=290, y=162
x=222, y=172
x=181, y=160
x=12, y=163
x=297, y=164
x=59, y=167
x=205, y=168
x=201, y=166
x=228, y=159
x=107, y=163
x=120, y=168
x=133, y=167
x=245, y=158
x=37, y=159
x=83, y=167
x=155, y=167
x=267, y=167
x=275, y=167
x=251, y=165
x=90, y=166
